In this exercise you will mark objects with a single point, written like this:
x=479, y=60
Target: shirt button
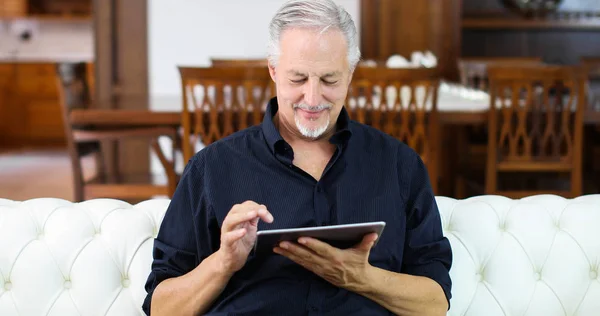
x=314, y=308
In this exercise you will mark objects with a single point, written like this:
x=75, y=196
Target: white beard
x=312, y=133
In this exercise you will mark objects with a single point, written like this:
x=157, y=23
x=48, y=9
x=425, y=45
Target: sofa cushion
x=535, y=256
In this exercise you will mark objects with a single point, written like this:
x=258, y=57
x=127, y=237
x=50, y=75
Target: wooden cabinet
x=30, y=113
x=13, y=8
x=401, y=27
x=52, y=9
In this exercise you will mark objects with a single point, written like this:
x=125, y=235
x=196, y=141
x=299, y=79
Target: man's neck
x=310, y=155
x=298, y=141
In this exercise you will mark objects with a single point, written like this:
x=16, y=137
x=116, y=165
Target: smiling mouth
x=312, y=111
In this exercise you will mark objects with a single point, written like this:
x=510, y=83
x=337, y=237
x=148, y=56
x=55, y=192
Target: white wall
x=50, y=41
x=190, y=32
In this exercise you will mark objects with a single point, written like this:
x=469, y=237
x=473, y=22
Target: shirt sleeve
x=427, y=252
x=184, y=239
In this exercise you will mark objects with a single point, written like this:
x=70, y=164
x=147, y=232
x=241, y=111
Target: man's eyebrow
x=331, y=74
x=300, y=74
x=296, y=73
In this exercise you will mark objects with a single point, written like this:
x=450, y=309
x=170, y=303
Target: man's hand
x=346, y=268
x=238, y=234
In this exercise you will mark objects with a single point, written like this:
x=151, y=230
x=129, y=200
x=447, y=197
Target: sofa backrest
x=61, y=258
x=535, y=256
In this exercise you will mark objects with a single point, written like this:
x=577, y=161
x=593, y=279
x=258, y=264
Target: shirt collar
x=273, y=137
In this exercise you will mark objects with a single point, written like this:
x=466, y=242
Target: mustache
x=307, y=107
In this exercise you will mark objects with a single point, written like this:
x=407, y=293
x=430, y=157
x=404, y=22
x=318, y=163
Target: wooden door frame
x=121, y=70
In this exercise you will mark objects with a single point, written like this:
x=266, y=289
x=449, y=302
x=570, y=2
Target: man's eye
x=298, y=81
x=329, y=82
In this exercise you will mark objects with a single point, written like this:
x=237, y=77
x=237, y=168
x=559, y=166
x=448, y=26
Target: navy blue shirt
x=371, y=177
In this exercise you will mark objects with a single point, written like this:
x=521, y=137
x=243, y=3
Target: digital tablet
x=339, y=236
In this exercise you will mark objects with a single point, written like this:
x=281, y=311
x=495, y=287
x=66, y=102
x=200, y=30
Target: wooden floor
x=27, y=174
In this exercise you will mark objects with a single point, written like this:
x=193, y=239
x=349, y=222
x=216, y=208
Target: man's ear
x=272, y=71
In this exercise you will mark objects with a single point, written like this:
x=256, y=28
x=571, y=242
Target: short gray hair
x=318, y=14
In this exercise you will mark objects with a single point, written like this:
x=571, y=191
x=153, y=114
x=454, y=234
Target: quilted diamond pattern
x=62, y=258
x=535, y=256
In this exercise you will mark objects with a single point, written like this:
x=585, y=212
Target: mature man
x=307, y=164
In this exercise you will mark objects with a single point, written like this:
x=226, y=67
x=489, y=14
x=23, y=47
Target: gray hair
x=318, y=14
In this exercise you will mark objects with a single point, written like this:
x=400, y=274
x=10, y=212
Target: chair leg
x=78, y=181
x=460, y=187
x=78, y=195
x=576, y=182
x=100, y=164
x=167, y=165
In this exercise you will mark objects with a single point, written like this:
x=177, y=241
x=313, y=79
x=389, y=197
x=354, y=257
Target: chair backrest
x=401, y=103
x=592, y=68
x=223, y=100
x=536, y=112
x=221, y=62
x=73, y=93
x=473, y=70
x=536, y=121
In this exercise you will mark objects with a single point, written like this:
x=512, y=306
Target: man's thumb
x=368, y=241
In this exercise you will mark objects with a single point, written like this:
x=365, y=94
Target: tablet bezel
x=341, y=233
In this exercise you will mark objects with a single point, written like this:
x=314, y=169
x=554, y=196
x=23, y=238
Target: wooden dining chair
x=535, y=126
x=84, y=141
x=592, y=69
x=403, y=104
x=472, y=140
x=591, y=65
x=224, y=62
x=223, y=101
x=473, y=70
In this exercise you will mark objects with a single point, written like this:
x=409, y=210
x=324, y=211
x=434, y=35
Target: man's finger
x=294, y=257
x=367, y=242
x=265, y=215
x=235, y=218
x=321, y=248
x=301, y=252
x=233, y=236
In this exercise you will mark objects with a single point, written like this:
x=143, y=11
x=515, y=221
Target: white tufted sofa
x=535, y=256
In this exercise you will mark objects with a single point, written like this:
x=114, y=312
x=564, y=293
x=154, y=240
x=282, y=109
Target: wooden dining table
x=454, y=116
x=150, y=117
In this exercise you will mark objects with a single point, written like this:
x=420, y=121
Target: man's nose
x=313, y=93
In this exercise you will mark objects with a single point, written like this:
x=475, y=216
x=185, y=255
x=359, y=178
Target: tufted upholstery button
x=67, y=284
x=479, y=277
x=537, y=276
x=40, y=236
x=481, y=254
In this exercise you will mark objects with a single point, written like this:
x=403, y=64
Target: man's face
x=312, y=78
